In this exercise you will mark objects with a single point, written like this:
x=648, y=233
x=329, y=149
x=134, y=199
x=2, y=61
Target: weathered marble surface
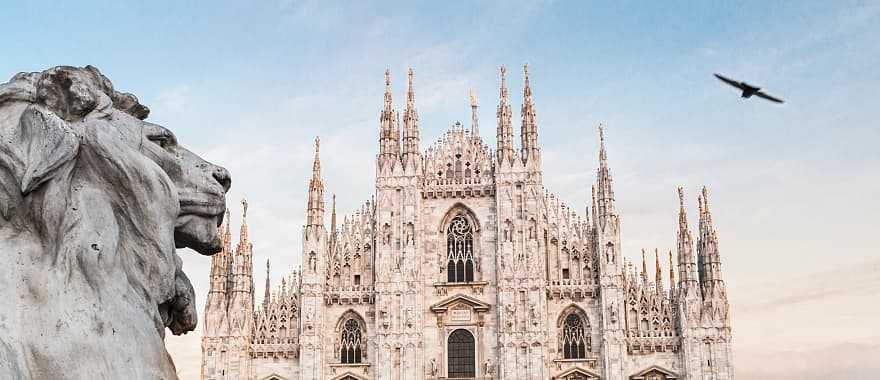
x=93, y=202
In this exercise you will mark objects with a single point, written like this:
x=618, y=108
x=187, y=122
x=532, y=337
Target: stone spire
x=658, y=271
x=708, y=257
x=671, y=272
x=316, y=190
x=529, y=129
x=243, y=232
x=604, y=182
x=411, y=147
x=267, y=295
x=504, y=150
x=475, y=124
x=389, y=126
x=220, y=261
x=644, y=273
x=687, y=275
x=333, y=236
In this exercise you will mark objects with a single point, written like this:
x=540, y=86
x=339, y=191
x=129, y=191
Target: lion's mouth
x=197, y=223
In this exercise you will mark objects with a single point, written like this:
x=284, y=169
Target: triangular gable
x=348, y=374
x=577, y=370
x=641, y=374
x=474, y=303
x=274, y=376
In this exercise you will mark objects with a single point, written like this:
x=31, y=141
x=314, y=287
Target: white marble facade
x=463, y=265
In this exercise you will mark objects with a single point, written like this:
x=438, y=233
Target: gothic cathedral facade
x=464, y=266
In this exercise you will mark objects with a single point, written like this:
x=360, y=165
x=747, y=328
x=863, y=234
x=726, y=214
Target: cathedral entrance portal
x=460, y=351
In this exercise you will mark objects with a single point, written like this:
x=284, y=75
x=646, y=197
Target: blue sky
x=248, y=85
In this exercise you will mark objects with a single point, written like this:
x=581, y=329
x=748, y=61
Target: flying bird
x=747, y=89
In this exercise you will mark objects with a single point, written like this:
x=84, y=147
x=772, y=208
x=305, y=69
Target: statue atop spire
x=475, y=125
x=243, y=243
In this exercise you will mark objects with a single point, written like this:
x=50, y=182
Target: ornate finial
x=387, y=78
x=473, y=97
x=527, y=89
x=671, y=271
x=244, y=205
x=602, y=154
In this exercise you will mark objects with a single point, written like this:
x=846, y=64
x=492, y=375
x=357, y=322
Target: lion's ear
x=42, y=144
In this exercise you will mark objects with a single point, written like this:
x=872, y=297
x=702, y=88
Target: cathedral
x=462, y=265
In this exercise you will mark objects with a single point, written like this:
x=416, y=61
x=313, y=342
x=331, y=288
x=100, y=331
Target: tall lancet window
x=460, y=250
x=575, y=341
x=351, y=342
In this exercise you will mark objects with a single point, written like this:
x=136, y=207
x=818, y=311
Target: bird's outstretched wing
x=768, y=97
x=730, y=81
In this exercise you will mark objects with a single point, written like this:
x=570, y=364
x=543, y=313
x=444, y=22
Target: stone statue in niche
x=93, y=203
x=386, y=234
x=489, y=367
x=313, y=261
x=433, y=367
x=510, y=315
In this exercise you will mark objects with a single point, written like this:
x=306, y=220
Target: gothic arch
x=574, y=333
x=456, y=209
x=351, y=335
x=461, y=246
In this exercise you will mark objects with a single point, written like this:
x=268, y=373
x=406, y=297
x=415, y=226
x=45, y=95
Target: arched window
x=460, y=350
x=574, y=338
x=460, y=250
x=351, y=342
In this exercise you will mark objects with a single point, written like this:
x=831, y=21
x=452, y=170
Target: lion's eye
x=163, y=140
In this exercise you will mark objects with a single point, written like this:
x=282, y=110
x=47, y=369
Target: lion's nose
x=222, y=176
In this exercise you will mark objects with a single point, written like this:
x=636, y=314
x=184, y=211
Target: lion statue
x=93, y=203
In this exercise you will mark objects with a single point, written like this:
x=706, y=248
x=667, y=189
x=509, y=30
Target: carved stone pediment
x=577, y=373
x=460, y=299
x=654, y=373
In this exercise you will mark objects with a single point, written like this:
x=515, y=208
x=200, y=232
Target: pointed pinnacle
x=503, y=83
x=705, y=192
x=410, y=97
